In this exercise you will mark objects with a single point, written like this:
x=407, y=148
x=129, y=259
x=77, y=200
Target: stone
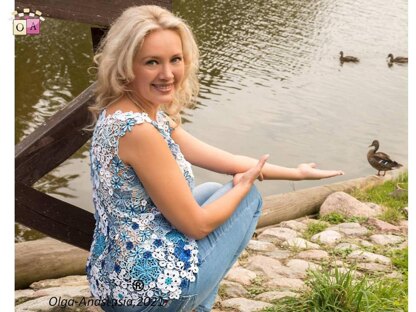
x=301, y=243
x=22, y=295
x=272, y=268
x=373, y=267
x=346, y=246
x=383, y=226
x=395, y=274
x=286, y=283
x=302, y=266
x=345, y=204
x=387, y=239
x=275, y=295
x=244, y=254
x=313, y=254
x=276, y=234
x=369, y=257
x=294, y=225
x=233, y=289
x=350, y=229
x=404, y=225
x=260, y=246
x=236, y=264
x=241, y=275
x=365, y=243
x=279, y=254
x=327, y=237
x=245, y=305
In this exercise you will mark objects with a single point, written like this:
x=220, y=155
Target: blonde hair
x=117, y=50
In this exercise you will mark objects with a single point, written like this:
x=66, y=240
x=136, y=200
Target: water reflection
x=272, y=81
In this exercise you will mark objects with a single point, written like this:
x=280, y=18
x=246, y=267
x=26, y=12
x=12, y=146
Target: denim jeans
x=218, y=251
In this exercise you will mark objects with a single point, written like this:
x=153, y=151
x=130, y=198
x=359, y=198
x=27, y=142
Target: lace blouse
x=136, y=253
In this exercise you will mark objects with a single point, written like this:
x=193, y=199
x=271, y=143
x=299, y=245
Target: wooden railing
x=63, y=134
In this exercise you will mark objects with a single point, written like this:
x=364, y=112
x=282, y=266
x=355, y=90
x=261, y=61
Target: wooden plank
x=52, y=143
x=95, y=12
x=53, y=217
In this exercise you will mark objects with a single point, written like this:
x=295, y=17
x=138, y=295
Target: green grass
x=257, y=287
x=337, y=218
x=341, y=292
x=314, y=228
x=400, y=259
x=380, y=195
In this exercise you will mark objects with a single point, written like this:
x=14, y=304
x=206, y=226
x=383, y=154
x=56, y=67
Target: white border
x=7, y=156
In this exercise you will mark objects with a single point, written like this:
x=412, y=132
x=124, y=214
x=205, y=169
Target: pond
x=271, y=82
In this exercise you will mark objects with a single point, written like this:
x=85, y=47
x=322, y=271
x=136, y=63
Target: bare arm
x=212, y=158
x=147, y=152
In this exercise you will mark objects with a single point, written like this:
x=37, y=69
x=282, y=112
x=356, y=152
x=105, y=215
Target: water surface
x=271, y=82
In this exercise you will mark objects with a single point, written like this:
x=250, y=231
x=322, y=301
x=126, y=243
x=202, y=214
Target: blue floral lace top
x=136, y=253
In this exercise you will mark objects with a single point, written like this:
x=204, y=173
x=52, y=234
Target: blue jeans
x=218, y=251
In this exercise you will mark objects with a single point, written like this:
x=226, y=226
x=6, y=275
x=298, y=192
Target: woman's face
x=159, y=67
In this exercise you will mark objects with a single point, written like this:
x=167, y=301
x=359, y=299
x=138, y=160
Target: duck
x=379, y=160
x=343, y=58
x=397, y=59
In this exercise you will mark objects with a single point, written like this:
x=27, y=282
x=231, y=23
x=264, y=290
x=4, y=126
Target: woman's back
x=133, y=242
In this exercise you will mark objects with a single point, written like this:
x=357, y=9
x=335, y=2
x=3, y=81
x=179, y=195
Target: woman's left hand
x=309, y=172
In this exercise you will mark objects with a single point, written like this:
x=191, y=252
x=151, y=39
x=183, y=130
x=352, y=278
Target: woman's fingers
x=260, y=165
x=262, y=160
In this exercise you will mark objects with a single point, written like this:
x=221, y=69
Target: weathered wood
x=53, y=217
x=52, y=143
x=94, y=12
x=293, y=205
x=46, y=258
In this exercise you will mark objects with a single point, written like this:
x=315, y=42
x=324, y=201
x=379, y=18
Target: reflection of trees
x=24, y=234
x=53, y=184
x=51, y=69
x=259, y=39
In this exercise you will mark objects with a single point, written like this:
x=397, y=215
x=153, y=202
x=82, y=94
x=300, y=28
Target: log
x=47, y=258
x=297, y=204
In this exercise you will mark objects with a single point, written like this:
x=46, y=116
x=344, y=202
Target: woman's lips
x=163, y=87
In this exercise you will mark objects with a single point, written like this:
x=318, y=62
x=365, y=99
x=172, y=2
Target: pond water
x=271, y=82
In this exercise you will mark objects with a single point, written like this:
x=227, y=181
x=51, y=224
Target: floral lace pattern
x=136, y=253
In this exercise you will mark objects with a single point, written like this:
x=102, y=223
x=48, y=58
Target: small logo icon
x=138, y=285
x=26, y=22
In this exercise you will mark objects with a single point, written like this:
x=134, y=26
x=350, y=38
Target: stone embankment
x=274, y=265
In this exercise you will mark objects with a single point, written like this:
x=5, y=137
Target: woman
x=161, y=244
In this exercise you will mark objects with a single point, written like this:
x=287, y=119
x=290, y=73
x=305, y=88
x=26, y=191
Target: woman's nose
x=166, y=72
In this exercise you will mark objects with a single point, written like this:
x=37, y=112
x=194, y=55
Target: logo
x=26, y=22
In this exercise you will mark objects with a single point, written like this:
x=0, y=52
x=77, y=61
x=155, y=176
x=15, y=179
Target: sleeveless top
x=136, y=253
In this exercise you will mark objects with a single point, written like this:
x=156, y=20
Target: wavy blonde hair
x=116, y=52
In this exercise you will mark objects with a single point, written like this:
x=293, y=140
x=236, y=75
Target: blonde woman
x=161, y=244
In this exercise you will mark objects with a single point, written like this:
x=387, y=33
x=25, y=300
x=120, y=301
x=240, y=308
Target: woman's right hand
x=248, y=177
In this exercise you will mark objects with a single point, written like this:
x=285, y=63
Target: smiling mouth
x=163, y=87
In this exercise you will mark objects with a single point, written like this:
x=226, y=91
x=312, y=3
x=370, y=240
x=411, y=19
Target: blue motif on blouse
x=132, y=239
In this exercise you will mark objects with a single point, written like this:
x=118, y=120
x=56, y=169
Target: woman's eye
x=177, y=59
x=151, y=62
